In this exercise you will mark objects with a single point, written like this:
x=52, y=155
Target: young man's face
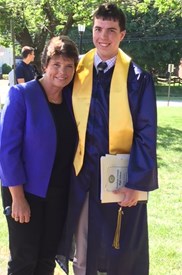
x=107, y=37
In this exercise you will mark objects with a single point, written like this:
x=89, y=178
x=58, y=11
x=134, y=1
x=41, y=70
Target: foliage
x=154, y=34
x=6, y=68
x=153, y=38
x=175, y=92
x=5, y=77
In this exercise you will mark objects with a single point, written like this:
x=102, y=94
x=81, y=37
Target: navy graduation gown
x=132, y=258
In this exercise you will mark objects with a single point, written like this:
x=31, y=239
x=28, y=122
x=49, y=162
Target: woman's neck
x=54, y=94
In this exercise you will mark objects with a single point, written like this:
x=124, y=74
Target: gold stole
x=120, y=121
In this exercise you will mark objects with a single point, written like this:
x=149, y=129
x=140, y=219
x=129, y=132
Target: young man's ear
x=123, y=33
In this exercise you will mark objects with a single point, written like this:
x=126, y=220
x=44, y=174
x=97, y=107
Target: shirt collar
x=110, y=62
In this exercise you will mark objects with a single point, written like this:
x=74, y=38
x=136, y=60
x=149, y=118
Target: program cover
x=114, y=175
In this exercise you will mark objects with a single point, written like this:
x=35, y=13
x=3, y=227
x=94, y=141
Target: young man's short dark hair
x=109, y=11
x=26, y=50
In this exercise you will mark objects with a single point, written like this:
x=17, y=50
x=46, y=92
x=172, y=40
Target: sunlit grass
x=165, y=204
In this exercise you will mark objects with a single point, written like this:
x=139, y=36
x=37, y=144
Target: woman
x=38, y=137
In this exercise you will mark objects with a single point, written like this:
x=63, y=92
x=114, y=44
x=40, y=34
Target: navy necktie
x=101, y=67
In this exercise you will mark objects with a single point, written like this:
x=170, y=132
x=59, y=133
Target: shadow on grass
x=170, y=139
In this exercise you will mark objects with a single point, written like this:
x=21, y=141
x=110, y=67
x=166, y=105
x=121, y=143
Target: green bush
x=6, y=68
x=5, y=76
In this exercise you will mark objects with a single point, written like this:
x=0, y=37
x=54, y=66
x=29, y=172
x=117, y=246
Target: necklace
x=58, y=97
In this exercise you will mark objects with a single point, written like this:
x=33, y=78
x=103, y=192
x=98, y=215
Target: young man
x=24, y=71
x=115, y=111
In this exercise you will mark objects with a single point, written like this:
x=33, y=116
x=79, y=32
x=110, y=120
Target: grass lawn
x=165, y=204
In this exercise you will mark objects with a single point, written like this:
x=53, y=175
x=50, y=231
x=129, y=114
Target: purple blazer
x=27, y=139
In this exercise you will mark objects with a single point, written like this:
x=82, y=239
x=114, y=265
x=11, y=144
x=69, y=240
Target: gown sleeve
x=142, y=170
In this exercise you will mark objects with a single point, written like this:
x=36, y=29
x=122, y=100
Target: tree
x=150, y=29
x=154, y=37
x=34, y=21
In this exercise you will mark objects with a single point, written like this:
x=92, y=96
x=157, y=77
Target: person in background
x=114, y=105
x=11, y=77
x=37, y=144
x=24, y=70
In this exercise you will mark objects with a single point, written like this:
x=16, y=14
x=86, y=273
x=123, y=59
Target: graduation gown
x=132, y=258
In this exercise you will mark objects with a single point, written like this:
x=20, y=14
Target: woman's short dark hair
x=59, y=45
x=110, y=11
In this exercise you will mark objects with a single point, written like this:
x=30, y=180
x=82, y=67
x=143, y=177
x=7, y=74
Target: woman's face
x=60, y=71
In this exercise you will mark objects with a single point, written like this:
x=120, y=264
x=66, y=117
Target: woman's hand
x=20, y=207
x=130, y=197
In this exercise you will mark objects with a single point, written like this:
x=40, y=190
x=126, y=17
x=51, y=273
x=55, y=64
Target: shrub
x=6, y=68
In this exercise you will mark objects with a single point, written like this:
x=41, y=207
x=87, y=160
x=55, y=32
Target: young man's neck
x=26, y=60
